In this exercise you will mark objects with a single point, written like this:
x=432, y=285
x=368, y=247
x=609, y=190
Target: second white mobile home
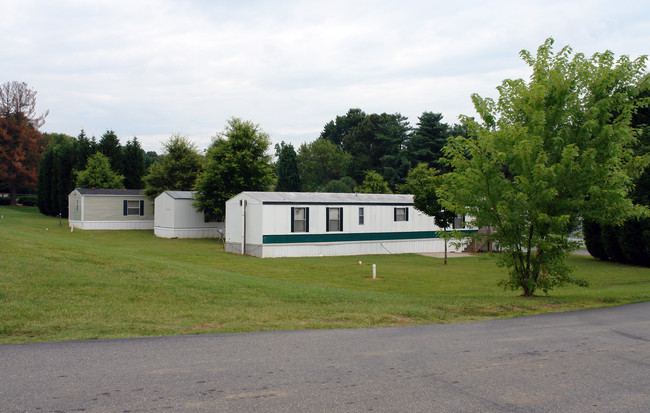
x=176, y=217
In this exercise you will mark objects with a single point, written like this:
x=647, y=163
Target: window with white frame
x=401, y=214
x=361, y=216
x=299, y=219
x=334, y=219
x=133, y=208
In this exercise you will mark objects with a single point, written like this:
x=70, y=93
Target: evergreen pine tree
x=287, y=169
x=109, y=145
x=133, y=157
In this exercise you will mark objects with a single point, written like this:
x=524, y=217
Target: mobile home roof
x=181, y=194
x=329, y=198
x=122, y=192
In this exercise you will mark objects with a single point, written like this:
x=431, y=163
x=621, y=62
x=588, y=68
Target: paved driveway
x=588, y=361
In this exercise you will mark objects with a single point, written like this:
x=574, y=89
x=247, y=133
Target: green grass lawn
x=62, y=285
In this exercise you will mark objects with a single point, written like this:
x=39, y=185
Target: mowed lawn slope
x=62, y=285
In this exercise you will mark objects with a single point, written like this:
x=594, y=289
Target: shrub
x=27, y=200
x=612, y=247
x=630, y=240
x=592, y=234
x=4, y=201
x=346, y=184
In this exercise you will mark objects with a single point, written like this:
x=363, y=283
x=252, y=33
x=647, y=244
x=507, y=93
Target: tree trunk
x=12, y=193
x=445, y=235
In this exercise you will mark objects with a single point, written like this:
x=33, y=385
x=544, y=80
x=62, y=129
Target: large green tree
x=176, y=169
x=237, y=161
x=287, y=169
x=99, y=175
x=375, y=141
x=320, y=162
x=340, y=130
x=423, y=182
x=343, y=185
x=373, y=183
x=548, y=150
x=21, y=144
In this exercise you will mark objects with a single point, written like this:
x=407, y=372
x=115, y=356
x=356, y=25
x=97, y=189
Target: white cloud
x=153, y=68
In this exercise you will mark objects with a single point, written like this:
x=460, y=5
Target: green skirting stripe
x=304, y=238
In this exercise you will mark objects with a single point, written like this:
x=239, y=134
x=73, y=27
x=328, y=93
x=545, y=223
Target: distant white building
x=294, y=224
x=109, y=209
x=176, y=217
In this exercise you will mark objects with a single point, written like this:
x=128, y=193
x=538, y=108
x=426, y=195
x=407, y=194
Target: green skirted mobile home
x=301, y=224
x=109, y=209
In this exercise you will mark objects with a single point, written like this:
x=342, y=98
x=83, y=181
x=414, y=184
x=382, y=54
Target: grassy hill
x=61, y=285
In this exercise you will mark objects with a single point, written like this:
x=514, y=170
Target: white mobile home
x=295, y=224
x=176, y=217
x=109, y=209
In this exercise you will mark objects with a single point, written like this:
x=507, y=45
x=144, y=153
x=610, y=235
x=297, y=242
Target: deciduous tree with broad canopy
x=423, y=182
x=177, y=169
x=373, y=183
x=320, y=162
x=99, y=175
x=375, y=142
x=547, y=152
x=236, y=161
x=21, y=144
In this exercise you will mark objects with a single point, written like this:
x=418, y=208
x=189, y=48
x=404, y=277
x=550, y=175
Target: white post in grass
x=374, y=271
x=242, y=203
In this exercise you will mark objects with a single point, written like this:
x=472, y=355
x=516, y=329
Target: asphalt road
x=587, y=361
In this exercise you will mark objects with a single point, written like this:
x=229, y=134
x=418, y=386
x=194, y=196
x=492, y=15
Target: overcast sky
x=153, y=68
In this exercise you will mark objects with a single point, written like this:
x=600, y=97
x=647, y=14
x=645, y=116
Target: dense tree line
x=356, y=143
x=628, y=242
x=66, y=160
x=355, y=152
